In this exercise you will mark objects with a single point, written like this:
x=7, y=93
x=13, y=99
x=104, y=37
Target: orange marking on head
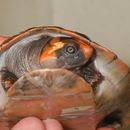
x=45, y=54
x=86, y=47
x=49, y=50
x=56, y=46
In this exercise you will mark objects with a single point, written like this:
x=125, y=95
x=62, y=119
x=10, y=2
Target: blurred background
x=104, y=21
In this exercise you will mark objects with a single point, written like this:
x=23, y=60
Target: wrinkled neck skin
x=25, y=57
x=20, y=61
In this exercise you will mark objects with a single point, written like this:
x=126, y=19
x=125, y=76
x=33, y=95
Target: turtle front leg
x=7, y=78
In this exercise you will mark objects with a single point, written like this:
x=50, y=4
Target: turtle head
x=65, y=52
x=46, y=47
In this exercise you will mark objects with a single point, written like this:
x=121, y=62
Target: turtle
x=53, y=72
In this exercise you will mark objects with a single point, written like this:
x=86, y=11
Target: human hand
x=33, y=123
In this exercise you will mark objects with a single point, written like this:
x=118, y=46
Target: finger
x=105, y=128
x=29, y=123
x=52, y=124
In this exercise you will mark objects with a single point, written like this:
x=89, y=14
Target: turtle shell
x=51, y=72
x=39, y=30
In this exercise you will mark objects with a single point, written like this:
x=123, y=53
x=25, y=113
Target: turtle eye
x=71, y=49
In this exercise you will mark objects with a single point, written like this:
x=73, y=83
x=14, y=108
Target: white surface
x=105, y=21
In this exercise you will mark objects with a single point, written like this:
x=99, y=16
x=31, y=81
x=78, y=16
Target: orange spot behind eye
x=56, y=46
x=45, y=54
x=50, y=49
